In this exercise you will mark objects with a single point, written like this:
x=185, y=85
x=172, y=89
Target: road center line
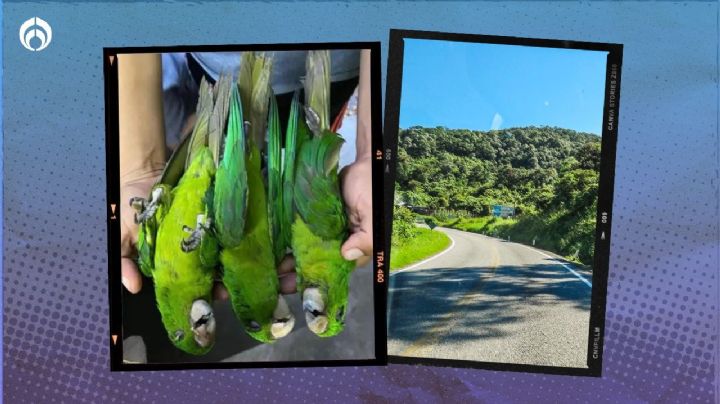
x=433, y=336
x=582, y=278
x=426, y=260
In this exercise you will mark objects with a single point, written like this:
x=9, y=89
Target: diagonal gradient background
x=662, y=320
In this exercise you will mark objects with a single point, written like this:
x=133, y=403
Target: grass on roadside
x=425, y=244
x=488, y=225
x=523, y=230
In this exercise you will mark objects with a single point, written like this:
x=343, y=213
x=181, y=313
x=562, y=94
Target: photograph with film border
x=503, y=184
x=244, y=206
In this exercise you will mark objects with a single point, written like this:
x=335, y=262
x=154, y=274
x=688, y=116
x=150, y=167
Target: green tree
x=403, y=226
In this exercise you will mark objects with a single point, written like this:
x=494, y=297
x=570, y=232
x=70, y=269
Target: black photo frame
x=596, y=329
x=115, y=205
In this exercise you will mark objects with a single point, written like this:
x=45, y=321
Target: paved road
x=493, y=301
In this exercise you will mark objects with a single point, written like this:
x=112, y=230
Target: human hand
x=356, y=184
x=356, y=180
x=137, y=185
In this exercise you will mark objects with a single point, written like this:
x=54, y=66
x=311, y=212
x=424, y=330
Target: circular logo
x=35, y=34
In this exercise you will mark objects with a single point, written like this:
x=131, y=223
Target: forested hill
x=535, y=169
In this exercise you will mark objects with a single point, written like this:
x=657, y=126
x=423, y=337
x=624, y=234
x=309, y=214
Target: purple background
x=662, y=320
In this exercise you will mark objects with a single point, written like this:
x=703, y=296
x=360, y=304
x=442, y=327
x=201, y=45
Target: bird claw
x=312, y=119
x=138, y=203
x=145, y=210
x=192, y=242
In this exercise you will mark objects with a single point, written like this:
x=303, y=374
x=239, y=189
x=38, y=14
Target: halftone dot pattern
x=662, y=312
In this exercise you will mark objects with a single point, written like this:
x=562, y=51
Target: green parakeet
x=176, y=246
x=319, y=226
x=185, y=264
x=242, y=221
x=150, y=212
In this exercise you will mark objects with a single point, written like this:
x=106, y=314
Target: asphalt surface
x=491, y=300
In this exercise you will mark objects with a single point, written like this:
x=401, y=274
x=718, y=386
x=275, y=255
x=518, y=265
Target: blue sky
x=489, y=86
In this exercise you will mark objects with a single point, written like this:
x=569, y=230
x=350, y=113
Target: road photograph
x=495, y=203
x=492, y=301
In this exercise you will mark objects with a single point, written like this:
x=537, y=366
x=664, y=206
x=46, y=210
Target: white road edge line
x=585, y=281
x=413, y=266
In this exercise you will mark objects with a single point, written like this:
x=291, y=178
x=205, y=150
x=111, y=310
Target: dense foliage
x=403, y=227
x=550, y=176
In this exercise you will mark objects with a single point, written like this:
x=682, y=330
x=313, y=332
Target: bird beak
x=283, y=320
x=314, y=307
x=202, y=323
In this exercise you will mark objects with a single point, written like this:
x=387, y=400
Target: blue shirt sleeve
x=288, y=66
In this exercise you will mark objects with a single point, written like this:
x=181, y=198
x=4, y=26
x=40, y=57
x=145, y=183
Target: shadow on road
x=479, y=301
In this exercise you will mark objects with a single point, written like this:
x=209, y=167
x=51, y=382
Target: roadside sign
x=503, y=211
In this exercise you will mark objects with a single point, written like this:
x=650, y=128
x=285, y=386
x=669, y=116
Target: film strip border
x=114, y=207
x=605, y=191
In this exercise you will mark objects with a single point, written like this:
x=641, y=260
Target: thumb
x=131, y=278
x=357, y=245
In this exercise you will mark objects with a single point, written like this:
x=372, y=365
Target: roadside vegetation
x=411, y=243
x=549, y=176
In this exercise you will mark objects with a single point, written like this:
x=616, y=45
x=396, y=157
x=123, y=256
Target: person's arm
x=142, y=128
x=357, y=177
x=363, y=138
x=142, y=146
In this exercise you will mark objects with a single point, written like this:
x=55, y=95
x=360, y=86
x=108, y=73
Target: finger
x=288, y=283
x=287, y=265
x=357, y=245
x=341, y=175
x=130, y=275
x=131, y=228
x=219, y=292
